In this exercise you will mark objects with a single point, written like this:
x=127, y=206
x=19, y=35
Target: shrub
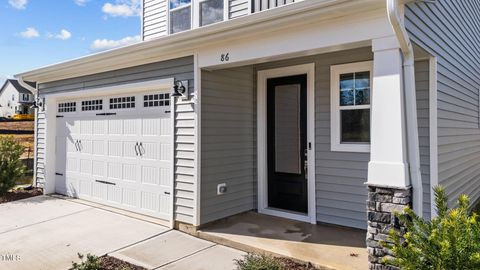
x=11, y=167
x=449, y=241
x=91, y=263
x=259, y=262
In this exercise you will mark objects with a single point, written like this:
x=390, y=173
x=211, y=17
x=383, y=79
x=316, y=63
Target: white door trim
x=262, y=182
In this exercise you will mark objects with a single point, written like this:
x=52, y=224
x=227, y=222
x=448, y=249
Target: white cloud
x=122, y=8
x=18, y=4
x=107, y=44
x=30, y=33
x=63, y=35
x=80, y=2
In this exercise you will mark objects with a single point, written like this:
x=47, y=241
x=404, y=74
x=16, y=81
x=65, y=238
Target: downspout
x=393, y=9
x=34, y=90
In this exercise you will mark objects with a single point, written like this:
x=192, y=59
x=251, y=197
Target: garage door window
x=67, y=107
x=122, y=103
x=156, y=100
x=92, y=105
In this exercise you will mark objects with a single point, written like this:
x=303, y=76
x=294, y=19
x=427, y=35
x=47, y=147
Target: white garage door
x=117, y=150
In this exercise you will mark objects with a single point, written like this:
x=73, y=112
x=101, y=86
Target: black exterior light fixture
x=180, y=89
x=37, y=104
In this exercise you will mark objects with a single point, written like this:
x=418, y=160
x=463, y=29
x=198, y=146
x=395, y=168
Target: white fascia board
x=185, y=43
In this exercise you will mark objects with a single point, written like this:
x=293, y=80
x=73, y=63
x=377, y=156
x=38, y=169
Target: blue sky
x=35, y=33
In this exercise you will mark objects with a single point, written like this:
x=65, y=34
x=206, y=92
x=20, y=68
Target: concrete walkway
x=326, y=246
x=47, y=233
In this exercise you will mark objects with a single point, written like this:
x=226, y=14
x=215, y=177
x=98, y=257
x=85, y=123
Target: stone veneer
x=382, y=203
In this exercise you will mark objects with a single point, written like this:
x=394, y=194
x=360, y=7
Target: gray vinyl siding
x=238, y=8
x=180, y=69
x=450, y=30
x=423, y=111
x=154, y=19
x=228, y=142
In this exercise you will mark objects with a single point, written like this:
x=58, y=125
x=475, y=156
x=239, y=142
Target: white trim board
x=262, y=182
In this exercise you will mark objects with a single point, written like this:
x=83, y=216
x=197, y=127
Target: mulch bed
x=111, y=263
x=20, y=194
x=292, y=265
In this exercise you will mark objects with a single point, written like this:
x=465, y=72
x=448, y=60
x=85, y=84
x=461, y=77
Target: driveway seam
x=186, y=256
x=48, y=220
x=138, y=242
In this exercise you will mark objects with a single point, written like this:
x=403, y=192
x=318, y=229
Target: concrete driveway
x=47, y=233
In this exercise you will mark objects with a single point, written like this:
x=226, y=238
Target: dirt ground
x=17, y=125
x=20, y=194
x=26, y=140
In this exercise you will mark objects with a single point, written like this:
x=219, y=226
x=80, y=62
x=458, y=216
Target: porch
x=324, y=246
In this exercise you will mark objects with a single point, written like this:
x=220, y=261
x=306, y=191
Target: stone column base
x=382, y=203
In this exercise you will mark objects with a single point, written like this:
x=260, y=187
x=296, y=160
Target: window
x=92, y=105
x=67, y=107
x=211, y=11
x=122, y=103
x=156, y=100
x=350, y=107
x=180, y=15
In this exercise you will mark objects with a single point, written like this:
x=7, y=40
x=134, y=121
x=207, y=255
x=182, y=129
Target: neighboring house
x=301, y=110
x=15, y=99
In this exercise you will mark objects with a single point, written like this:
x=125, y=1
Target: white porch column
x=388, y=161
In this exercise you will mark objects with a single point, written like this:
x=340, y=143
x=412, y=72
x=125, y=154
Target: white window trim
x=196, y=13
x=170, y=10
x=335, y=71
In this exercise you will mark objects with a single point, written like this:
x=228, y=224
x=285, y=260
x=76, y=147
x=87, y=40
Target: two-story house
x=304, y=110
x=15, y=99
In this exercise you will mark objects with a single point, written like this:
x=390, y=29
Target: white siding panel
x=154, y=18
x=238, y=8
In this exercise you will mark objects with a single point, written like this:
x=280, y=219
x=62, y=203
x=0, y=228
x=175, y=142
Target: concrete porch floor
x=325, y=246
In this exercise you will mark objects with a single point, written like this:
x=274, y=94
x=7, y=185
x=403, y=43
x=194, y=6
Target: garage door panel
x=86, y=127
x=130, y=149
x=98, y=147
x=115, y=149
x=98, y=168
x=99, y=127
x=85, y=166
x=99, y=190
x=111, y=167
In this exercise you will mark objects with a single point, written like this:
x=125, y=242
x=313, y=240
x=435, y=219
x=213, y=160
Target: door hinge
x=60, y=174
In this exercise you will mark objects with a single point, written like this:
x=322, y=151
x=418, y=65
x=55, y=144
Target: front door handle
x=305, y=164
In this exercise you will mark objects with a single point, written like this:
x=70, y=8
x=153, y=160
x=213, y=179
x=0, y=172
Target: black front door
x=287, y=143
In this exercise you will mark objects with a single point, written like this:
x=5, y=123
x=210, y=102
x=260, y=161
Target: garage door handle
x=140, y=147
x=136, y=150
